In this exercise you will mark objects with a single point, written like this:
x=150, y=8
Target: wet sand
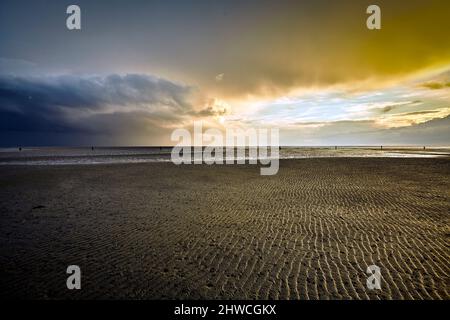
x=156, y=230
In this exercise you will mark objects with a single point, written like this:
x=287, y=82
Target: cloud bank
x=114, y=109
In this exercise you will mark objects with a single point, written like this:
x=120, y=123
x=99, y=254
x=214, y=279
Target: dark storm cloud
x=264, y=47
x=94, y=93
x=116, y=105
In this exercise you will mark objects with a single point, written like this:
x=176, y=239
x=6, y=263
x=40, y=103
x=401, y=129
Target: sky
x=137, y=70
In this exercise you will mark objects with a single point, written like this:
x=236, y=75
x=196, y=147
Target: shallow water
x=105, y=155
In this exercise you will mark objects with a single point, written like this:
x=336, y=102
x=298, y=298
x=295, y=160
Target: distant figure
x=423, y=147
x=381, y=147
x=92, y=148
x=20, y=148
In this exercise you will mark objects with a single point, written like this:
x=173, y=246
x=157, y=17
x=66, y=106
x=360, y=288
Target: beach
x=161, y=231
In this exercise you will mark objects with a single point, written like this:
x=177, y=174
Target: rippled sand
x=195, y=231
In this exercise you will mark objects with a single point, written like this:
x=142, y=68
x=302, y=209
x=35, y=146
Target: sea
x=110, y=155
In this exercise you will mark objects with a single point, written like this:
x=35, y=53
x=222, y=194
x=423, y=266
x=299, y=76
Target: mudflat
x=160, y=231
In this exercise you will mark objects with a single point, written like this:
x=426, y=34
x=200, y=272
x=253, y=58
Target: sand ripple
x=161, y=231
